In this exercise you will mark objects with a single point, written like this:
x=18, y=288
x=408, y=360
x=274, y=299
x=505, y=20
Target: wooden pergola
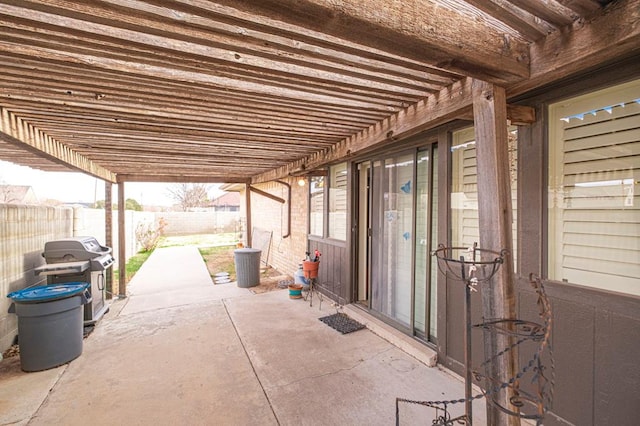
x=253, y=91
x=244, y=91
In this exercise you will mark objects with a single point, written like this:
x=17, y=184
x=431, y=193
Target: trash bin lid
x=247, y=250
x=48, y=292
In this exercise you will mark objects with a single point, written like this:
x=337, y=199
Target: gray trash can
x=247, y=267
x=50, y=324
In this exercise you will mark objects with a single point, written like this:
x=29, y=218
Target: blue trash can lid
x=48, y=292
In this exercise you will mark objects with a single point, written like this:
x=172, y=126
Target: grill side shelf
x=62, y=268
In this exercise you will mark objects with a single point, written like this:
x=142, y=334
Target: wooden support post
x=108, y=226
x=122, y=253
x=495, y=216
x=247, y=195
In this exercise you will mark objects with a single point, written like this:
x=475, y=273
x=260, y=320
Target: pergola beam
x=18, y=132
x=160, y=177
x=518, y=115
x=450, y=103
x=466, y=48
x=611, y=35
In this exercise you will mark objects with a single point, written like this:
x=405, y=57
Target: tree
x=189, y=195
x=131, y=204
x=8, y=194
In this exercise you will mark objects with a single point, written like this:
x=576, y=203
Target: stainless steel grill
x=79, y=259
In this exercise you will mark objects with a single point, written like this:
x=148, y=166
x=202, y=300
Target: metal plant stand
x=473, y=266
x=313, y=283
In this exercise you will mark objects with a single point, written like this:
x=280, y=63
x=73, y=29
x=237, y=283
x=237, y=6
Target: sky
x=70, y=187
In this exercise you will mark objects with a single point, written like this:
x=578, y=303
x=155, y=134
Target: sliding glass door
x=425, y=272
x=391, y=234
x=396, y=237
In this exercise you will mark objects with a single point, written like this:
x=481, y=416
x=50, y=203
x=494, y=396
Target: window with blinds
x=594, y=169
x=338, y=201
x=464, y=192
x=316, y=206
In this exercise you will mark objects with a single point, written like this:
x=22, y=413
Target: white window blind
x=316, y=206
x=593, y=175
x=464, y=192
x=338, y=201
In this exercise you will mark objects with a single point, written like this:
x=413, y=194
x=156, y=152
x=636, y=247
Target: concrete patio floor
x=180, y=350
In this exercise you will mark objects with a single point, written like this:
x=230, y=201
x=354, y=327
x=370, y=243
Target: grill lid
x=74, y=249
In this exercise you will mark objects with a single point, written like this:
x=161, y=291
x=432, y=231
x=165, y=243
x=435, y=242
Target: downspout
x=288, y=234
x=278, y=199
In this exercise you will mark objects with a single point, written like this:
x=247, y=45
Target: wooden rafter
x=581, y=7
x=553, y=12
x=16, y=131
x=452, y=102
x=521, y=20
x=408, y=28
x=235, y=91
x=612, y=35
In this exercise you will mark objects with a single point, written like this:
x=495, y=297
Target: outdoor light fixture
x=301, y=181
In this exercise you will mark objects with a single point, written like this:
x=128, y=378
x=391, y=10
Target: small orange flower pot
x=310, y=269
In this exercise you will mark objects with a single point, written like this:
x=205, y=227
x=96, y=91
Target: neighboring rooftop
x=17, y=194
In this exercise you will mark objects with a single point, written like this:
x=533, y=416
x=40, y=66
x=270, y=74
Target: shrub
x=148, y=234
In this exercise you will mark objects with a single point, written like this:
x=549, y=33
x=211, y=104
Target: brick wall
x=285, y=253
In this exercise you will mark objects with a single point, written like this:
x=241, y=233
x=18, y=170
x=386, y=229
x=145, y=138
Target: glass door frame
x=430, y=286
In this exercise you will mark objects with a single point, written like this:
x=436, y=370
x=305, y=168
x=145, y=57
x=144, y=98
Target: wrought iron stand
x=313, y=282
x=473, y=266
x=476, y=266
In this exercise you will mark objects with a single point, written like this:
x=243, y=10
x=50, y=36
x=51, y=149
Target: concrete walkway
x=180, y=350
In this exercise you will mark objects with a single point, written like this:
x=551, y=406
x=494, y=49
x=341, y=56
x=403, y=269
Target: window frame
x=323, y=209
x=326, y=213
x=554, y=110
x=337, y=198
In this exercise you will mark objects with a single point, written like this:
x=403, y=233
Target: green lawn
x=201, y=240
x=209, y=245
x=219, y=259
x=134, y=263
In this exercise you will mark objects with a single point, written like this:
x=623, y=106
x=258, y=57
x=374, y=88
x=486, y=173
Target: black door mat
x=342, y=323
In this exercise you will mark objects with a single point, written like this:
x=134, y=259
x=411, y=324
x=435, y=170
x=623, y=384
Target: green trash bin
x=50, y=324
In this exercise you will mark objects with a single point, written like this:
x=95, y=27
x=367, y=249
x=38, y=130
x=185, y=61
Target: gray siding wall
x=334, y=270
x=595, y=333
x=596, y=341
